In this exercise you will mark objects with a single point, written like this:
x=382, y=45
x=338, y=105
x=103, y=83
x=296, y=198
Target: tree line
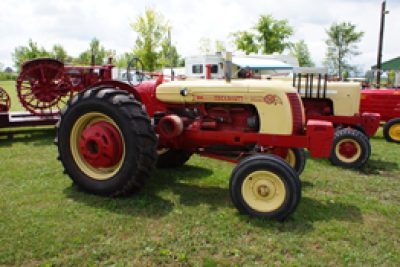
x=153, y=45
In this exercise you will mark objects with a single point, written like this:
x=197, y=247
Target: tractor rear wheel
x=172, y=158
x=351, y=148
x=265, y=186
x=106, y=142
x=296, y=158
x=391, y=130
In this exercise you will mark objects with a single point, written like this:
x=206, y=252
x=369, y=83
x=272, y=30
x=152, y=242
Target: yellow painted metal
x=345, y=96
x=291, y=158
x=275, y=116
x=79, y=126
x=263, y=191
x=344, y=158
x=394, y=132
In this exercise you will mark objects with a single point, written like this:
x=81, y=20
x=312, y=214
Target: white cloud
x=74, y=23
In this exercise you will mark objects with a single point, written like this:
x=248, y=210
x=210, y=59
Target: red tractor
x=45, y=85
x=386, y=102
x=111, y=135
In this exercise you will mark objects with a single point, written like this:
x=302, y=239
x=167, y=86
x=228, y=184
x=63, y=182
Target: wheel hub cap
x=101, y=145
x=348, y=149
x=263, y=191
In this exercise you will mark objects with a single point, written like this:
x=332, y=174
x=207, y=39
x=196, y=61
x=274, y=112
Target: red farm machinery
x=44, y=86
x=386, y=102
x=110, y=136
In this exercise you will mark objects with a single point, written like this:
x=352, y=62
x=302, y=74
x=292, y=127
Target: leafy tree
x=205, y=46
x=273, y=34
x=219, y=46
x=151, y=29
x=8, y=70
x=391, y=77
x=100, y=54
x=58, y=52
x=301, y=52
x=24, y=53
x=169, y=55
x=122, y=61
x=1, y=67
x=269, y=35
x=245, y=41
x=342, y=45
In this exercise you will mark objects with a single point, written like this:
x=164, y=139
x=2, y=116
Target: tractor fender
x=119, y=85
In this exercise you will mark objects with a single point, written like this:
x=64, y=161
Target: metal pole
x=228, y=65
x=379, y=60
x=170, y=54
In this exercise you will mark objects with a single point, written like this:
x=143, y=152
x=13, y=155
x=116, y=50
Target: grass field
x=185, y=216
x=9, y=86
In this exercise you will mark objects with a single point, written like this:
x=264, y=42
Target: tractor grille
x=297, y=113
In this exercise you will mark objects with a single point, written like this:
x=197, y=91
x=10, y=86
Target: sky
x=73, y=23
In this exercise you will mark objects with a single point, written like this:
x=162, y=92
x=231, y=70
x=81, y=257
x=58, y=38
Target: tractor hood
x=237, y=91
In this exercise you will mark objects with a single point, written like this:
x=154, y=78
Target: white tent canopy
x=260, y=63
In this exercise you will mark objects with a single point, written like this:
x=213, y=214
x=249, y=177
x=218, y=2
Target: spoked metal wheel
x=41, y=87
x=5, y=101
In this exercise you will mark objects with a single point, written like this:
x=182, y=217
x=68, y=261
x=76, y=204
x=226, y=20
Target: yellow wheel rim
x=291, y=158
x=263, y=191
x=79, y=126
x=394, y=132
x=348, y=150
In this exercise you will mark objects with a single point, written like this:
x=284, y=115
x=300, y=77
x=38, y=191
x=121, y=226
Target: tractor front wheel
x=105, y=142
x=391, y=130
x=265, y=186
x=351, y=148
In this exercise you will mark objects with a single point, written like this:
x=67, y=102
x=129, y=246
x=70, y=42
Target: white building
x=260, y=66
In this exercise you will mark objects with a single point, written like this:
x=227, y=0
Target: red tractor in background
x=111, y=134
x=45, y=85
x=386, y=102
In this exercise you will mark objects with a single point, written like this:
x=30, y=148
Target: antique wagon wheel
x=5, y=101
x=41, y=87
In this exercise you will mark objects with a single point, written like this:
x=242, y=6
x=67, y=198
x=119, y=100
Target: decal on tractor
x=273, y=100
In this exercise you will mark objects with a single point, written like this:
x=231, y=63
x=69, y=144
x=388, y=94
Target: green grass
x=185, y=216
x=9, y=86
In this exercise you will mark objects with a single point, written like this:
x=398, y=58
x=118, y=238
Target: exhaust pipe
x=170, y=126
x=228, y=66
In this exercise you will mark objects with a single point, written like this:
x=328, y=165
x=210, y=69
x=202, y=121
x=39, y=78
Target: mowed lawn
x=185, y=217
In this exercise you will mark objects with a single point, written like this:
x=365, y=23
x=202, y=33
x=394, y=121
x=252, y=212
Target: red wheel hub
x=348, y=149
x=101, y=145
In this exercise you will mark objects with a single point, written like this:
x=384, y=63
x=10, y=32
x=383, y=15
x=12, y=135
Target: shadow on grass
x=306, y=184
x=37, y=137
x=375, y=166
x=372, y=167
x=149, y=203
x=308, y=212
x=143, y=204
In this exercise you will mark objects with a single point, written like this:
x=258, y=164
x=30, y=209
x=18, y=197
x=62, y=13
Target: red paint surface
x=101, y=145
x=386, y=102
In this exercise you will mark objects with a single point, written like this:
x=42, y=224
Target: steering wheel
x=137, y=65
